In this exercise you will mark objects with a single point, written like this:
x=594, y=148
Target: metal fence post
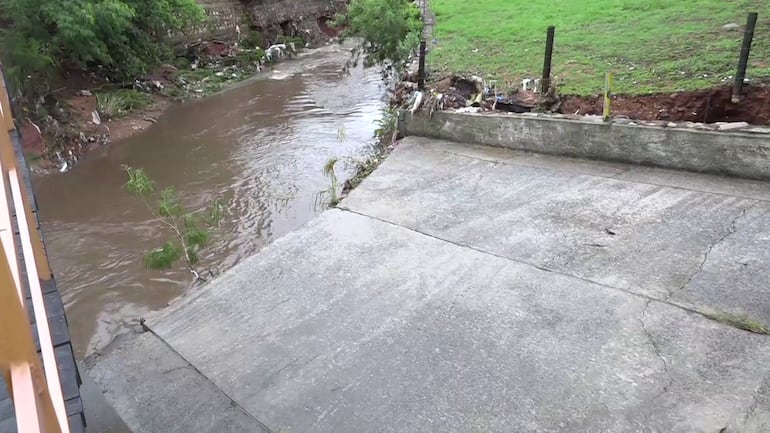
x=546, y=81
x=421, y=69
x=743, y=61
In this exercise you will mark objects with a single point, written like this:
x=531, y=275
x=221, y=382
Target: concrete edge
x=132, y=376
x=738, y=154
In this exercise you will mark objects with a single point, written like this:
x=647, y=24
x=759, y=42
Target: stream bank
x=90, y=112
x=259, y=146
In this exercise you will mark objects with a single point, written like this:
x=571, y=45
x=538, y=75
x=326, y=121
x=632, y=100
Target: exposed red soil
x=81, y=108
x=31, y=138
x=707, y=106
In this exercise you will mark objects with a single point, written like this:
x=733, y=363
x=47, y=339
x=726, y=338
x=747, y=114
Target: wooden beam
x=36, y=391
x=18, y=358
x=38, y=306
x=8, y=158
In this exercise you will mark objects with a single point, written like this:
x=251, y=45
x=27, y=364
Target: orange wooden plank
x=41, y=318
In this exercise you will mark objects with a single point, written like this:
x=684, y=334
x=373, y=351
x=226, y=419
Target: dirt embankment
x=80, y=134
x=708, y=106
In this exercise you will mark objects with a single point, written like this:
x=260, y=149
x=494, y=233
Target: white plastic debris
x=732, y=126
x=530, y=84
x=417, y=101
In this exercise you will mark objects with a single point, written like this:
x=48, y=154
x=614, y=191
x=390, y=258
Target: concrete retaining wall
x=737, y=154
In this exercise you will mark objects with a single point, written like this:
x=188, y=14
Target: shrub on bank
x=389, y=29
x=124, y=37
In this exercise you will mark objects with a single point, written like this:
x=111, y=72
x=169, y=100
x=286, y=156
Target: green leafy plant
x=386, y=127
x=389, y=30
x=328, y=170
x=298, y=41
x=124, y=37
x=253, y=40
x=190, y=231
x=29, y=65
x=386, y=133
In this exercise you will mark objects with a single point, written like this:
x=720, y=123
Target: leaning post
x=546, y=81
x=743, y=61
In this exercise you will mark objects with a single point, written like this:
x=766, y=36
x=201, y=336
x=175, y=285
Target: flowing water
x=260, y=147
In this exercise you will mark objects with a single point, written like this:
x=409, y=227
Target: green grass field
x=651, y=46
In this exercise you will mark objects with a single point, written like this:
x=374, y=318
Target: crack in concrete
x=731, y=231
x=764, y=388
x=171, y=370
x=656, y=349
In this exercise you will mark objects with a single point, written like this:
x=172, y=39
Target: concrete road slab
x=470, y=289
x=156, y=391
x=590, y=220
x=353, y=324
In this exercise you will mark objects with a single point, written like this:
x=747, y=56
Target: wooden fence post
x=607, y=93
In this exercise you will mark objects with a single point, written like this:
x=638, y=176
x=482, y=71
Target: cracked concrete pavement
x=472, y=289
x=703, y=246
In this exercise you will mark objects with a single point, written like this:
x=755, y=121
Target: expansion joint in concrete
x=262, y=426
x=667, y=300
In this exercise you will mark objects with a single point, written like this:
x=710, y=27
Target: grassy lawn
x=652, y=46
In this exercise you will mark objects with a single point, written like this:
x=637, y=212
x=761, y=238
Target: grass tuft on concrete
x=741, y=322
x=652, y=46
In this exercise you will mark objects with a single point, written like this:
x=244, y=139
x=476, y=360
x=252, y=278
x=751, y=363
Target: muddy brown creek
x=259, y=147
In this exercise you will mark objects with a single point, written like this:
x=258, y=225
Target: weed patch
x=111, y=105
x=737, y=321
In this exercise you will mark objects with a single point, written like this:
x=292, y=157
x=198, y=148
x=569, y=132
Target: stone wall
x=225, y=15
x=265, y=13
